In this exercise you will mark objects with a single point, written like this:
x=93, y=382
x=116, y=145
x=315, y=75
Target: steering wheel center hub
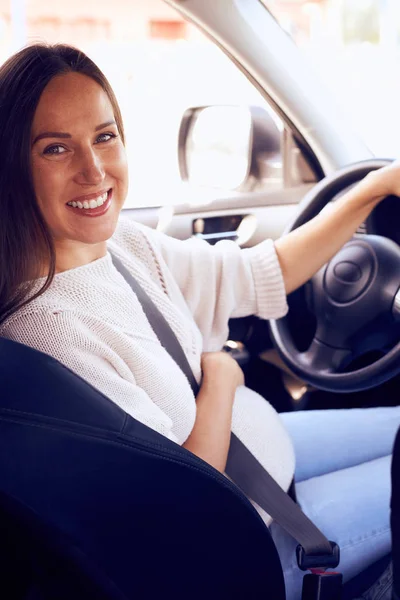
x=350, y=272
x=347, y=272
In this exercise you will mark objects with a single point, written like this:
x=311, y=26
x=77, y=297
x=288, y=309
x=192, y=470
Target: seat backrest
x=105, y=507
x=395, y=516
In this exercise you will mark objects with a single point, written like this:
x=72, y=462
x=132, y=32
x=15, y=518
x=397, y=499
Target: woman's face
x=79, y=165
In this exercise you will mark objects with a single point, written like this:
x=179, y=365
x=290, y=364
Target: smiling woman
x=63, y=181
x=52, y=154
x=79, y=167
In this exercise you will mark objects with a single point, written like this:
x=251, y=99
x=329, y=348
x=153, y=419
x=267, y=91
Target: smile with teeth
x=87, y=204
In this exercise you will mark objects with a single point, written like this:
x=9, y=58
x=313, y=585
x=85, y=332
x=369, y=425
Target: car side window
x=159, y=65
x=175, y=68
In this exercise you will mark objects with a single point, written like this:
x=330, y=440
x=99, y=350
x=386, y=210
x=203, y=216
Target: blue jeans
x=343, y=484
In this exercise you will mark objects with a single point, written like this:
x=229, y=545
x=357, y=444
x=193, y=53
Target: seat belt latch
x=320, y=584
x=318, y=561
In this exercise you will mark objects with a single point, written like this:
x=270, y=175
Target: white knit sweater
x=91, y=321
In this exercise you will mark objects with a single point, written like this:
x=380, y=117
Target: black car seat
x=395, y=517
x=95, y=505
x=91, y=505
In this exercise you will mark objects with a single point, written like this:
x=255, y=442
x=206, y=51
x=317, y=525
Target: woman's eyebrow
x=59, y=134
x=51, y=134
x=106, y=124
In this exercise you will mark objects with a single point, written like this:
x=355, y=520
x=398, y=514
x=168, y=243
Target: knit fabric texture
x=91, y=321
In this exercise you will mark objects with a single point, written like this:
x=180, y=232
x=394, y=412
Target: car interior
x=338, y=347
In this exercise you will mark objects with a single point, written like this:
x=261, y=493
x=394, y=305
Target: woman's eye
x=105, y=137
x=55, y=149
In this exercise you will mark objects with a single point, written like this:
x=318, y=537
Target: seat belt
x=315, y=551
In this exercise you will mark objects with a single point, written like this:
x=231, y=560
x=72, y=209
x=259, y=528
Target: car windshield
x=355, y=47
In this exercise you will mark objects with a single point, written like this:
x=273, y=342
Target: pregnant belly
x=257, y=424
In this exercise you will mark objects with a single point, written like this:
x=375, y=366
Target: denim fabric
x=395, y=518
x=343, y=484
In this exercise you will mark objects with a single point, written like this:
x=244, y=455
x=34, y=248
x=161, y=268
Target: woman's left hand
x=383, y=182
x=306, y=249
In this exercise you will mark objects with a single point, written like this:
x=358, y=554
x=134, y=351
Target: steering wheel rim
x=360, y=379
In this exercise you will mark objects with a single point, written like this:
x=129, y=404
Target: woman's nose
x=90, y=169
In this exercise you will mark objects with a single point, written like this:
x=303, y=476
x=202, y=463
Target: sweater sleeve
x=223, y=281
x=86, y=348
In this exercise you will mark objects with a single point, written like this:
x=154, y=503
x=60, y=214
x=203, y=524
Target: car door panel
x=260, y=215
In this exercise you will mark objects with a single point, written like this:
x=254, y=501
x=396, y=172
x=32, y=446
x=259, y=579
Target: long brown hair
x=25, y=239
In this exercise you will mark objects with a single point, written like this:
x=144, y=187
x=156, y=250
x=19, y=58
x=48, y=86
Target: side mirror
x=220, y=146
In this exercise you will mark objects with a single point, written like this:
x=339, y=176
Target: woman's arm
x=210, y=436
x=223, y=281
x=305, y=250
x=217, y=282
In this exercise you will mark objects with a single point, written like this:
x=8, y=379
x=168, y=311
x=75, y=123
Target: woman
x=63, y=181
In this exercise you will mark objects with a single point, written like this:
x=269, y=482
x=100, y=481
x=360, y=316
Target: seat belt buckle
x=307, y=562
x=320, y=584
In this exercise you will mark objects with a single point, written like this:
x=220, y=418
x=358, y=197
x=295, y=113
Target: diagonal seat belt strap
x=255, y=481
x=242, y=467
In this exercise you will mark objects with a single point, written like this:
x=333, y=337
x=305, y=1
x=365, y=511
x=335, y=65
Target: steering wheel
x=355, y=300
